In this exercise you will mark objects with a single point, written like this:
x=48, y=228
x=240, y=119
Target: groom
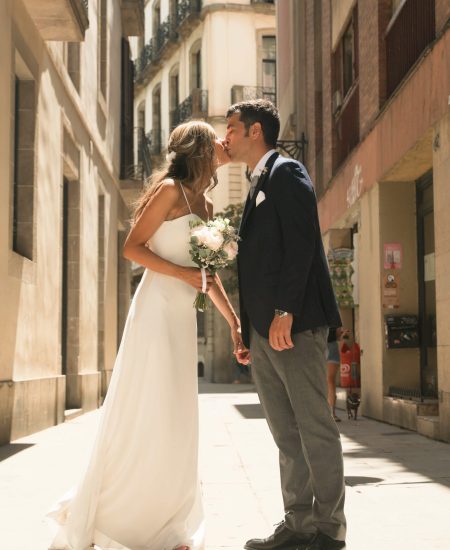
x=287, y=304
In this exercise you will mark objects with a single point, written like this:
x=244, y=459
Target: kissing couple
x=141, y=490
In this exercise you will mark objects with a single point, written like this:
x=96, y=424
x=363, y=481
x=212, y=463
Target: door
x=427, y=286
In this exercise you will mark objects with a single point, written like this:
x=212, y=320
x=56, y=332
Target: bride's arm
x=154, y=214
x=220, y=299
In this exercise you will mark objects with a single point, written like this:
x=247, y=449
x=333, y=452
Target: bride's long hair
x=192, y=161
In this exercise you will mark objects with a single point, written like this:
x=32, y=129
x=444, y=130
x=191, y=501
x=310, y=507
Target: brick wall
x=368, y=63
x=326, y=91
x=310, y=85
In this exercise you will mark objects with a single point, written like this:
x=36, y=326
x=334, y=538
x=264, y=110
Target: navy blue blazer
x=281, y=260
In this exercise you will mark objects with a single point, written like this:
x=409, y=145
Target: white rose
x=220, y=224
x=213, y=239
x=201, y=233
x=231, y=250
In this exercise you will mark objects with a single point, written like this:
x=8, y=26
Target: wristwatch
x=281, y=313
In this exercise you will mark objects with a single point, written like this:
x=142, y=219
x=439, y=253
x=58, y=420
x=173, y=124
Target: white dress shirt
x=261, y=163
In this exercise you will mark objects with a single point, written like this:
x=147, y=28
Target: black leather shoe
x=282, y=539
x=324, y=542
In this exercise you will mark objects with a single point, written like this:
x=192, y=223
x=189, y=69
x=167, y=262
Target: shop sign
x=393, y=256
x=355, y=188
x=391, y=297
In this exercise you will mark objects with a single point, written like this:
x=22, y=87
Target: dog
x=353, y=401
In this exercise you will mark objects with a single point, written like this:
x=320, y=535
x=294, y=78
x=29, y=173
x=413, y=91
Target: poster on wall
x=391, y=288
x=393, y=256
x=341, y=270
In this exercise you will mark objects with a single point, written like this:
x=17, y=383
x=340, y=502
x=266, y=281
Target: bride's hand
x=193, y=276
x=221, y=152
x=241, y=353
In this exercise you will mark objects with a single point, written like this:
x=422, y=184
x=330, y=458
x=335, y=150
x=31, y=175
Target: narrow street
x=398, y=482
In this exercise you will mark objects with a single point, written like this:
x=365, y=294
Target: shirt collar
x=262, y=163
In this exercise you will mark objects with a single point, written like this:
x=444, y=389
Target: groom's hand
x=280, y=333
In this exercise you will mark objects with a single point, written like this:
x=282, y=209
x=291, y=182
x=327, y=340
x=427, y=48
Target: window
x=195, y=77
x=345, y=61
x=103, y=46
x=174, y=96
x=24, y=153
x=269, y=67
x=156, y=121
x=348, y=56
x=72, y=62
x=345, y=92
x=173, y=9
x=411, y=29
x=156, y=19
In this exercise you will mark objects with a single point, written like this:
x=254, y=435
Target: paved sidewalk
x=398, y=483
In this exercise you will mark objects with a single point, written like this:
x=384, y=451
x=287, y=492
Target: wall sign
x=355, y=188
x=391, y=294
x=393, y=256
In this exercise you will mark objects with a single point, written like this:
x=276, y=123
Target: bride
x=141, y=489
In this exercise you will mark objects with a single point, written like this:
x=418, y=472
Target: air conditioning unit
x=337, y=102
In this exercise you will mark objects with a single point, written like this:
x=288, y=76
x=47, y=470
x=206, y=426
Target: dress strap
x=185, y=198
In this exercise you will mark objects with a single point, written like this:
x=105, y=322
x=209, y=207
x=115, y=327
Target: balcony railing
x=194, y=106
x=346, y=127
x=262, y=1
x=408, y=34
x=132, y=17
x=188, y=10
x=66, y=21
x=154, y=52
x=246, y=93
x=155, y=142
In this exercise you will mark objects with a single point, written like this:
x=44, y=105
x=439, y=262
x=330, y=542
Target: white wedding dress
x=141, y=489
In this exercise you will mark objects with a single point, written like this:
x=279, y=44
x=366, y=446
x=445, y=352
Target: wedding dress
x=141, y=489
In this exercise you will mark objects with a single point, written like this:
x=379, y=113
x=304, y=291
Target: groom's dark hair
x=262, y=111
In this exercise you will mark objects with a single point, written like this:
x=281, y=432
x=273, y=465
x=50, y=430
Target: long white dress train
x=141, y=489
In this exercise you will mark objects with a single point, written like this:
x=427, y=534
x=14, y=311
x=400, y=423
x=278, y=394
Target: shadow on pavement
x=210, y=387
x=353, y=481
x=414, y=453
x=250, y=411
x=13, y=448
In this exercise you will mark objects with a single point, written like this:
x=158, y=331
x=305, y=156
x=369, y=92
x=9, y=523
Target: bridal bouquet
x=213, y=247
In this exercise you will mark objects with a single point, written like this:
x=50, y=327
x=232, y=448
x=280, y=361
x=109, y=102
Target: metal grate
x=194, y=106
x=408, y=34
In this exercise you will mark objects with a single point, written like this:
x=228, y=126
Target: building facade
x=368, y=83
x=198, y=57
x=65, y=91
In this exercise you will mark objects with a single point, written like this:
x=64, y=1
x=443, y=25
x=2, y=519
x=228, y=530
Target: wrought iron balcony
x=132, y=17
x=194, y=106
x=188, y=11
x=64, y=20
x=246, y=93
x=154, y=140
x=156, y=50
x=262, y=1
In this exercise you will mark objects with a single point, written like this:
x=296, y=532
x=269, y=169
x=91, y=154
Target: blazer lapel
x=250, y=203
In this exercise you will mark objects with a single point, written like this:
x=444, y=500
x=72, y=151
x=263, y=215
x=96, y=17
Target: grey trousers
x=292, y=388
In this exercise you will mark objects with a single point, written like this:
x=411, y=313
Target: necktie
x=253, y=184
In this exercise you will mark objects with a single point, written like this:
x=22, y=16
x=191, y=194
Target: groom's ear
x=256, y=130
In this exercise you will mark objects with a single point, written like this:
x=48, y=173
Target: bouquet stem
x=200, y=302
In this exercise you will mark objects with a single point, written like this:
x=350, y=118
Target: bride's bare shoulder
x=167, y=190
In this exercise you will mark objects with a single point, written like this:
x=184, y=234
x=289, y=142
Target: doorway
x=70, y=289
x=427, y=286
